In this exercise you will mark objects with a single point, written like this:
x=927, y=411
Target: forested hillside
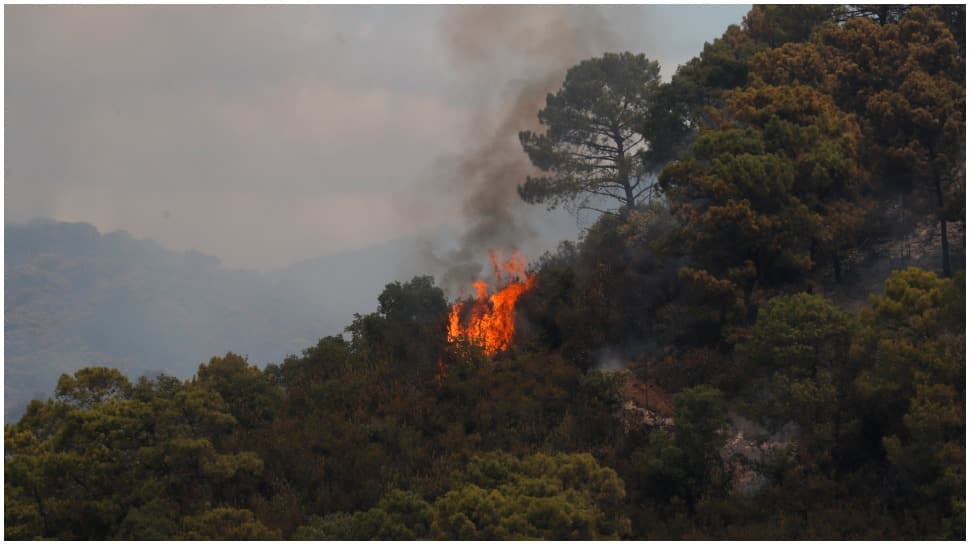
x=75, y=298
x=762, y=337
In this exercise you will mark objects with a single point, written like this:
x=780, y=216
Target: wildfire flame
x=489, y=320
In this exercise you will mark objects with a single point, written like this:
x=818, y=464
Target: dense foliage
x=590, y=147
x=783, y=400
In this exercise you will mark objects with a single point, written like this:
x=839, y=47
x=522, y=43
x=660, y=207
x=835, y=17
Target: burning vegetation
x=488, y=320
x=753, y=396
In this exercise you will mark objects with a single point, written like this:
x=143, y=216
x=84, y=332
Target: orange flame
x=489, y=320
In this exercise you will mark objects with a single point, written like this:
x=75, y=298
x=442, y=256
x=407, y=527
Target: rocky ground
x=748, y=443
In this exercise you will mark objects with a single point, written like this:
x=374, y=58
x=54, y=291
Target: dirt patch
x=648, y=395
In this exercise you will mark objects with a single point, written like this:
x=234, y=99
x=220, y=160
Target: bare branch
x=593, y=209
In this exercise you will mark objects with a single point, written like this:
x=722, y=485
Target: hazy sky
x=262, y=135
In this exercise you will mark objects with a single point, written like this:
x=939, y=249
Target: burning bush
x=488, y=320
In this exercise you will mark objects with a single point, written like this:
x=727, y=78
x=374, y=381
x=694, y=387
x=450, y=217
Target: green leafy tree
x=606, y=290
x=912, y=350
x=71, y=468
x=699, y=419
x=499, y=496
x=683, y=105
x=408, y=328
x=121, y=467
x=92, y=385
x=905, y=80
x=590, y=149
x=225, y=523
x=765, y=196
x=495, y=496
x=251, y=396
x=777, y=24
x=399, y=515
x=306, y=379
x=908, y=336
x=152, y=519
x=797, y=362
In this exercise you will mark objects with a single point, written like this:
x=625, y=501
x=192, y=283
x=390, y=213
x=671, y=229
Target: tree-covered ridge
x=794, y=387
x=78, y=297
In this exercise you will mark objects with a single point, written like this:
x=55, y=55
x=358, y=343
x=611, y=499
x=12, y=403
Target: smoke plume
x=526, y=50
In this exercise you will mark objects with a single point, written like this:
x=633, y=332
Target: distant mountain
x=350, y=281
x=75, y=297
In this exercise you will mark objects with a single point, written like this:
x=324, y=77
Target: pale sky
x=263, y=135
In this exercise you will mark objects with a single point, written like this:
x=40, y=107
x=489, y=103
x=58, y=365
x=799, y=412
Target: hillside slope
x=76, y=297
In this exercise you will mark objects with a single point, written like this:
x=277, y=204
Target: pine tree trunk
x=945, y=248
x=944, y=242
x=630, y=202
x=623, y=171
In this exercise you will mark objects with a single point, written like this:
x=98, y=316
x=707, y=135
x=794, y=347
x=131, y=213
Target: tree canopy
x=591, y=149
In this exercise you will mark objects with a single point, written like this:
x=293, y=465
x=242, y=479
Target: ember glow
x=488, y=320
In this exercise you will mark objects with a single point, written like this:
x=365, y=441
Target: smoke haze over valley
x=318, y=152
x=267, y=135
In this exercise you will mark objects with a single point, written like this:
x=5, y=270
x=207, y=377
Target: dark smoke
x=526, y=50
